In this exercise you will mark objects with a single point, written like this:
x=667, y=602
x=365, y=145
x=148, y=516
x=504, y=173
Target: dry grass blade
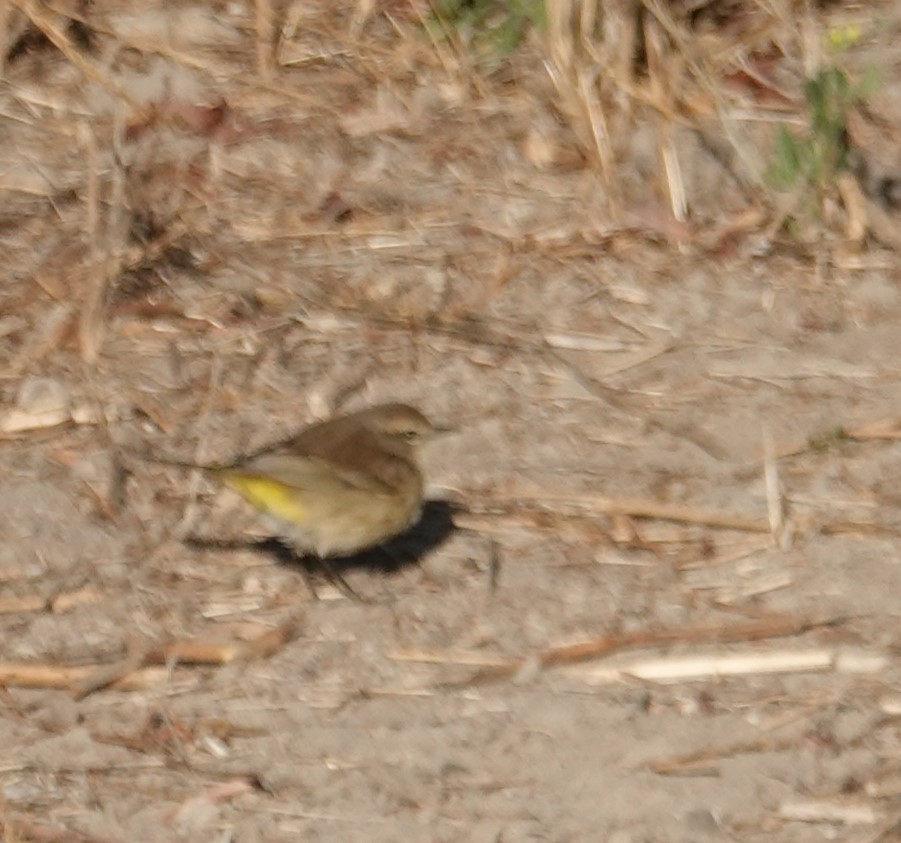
x=31, y=675
x=133, y=671
x=775, y=627
x=46, y=21
x=774, y=499
x=718, y=665
x=826, y=811
x=134, y=660
x=204, y=652
x=221, y=792
x=16, y=830
x=266, y=30
x=855, y=204
x=705, y=758
x=888, y=429
x=635, y=508
x=27, y=603
x=90, y=326
x=577, y=83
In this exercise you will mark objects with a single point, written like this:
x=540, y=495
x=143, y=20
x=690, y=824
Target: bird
x=341, y=486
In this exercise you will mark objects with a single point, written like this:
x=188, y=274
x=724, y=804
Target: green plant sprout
x=491, y=26
x=812, y=161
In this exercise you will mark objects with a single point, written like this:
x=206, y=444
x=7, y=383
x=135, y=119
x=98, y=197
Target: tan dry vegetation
x=670, y=611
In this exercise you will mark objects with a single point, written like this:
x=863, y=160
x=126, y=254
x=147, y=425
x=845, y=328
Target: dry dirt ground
x=377, y=221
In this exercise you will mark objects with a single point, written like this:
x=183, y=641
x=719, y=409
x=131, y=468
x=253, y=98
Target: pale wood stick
x=774, y=627
x=135, y=672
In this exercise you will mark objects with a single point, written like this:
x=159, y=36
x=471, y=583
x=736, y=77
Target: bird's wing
x=357, y=454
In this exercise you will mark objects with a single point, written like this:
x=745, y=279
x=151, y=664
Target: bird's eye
x=408, y=434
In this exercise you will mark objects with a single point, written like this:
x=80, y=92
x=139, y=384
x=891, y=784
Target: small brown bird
x=341, y=486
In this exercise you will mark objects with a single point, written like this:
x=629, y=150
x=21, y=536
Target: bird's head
x=401, y=423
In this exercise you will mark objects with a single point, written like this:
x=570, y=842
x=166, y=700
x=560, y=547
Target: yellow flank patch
x=269, y=496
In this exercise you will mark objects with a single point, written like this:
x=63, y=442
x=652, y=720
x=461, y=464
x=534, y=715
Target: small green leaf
x=786, y=167
x=489, y=26
x=868, y=84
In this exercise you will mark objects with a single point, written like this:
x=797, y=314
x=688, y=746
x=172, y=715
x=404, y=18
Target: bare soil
x=198, y=260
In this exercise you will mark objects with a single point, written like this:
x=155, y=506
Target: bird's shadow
x=433, y=528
